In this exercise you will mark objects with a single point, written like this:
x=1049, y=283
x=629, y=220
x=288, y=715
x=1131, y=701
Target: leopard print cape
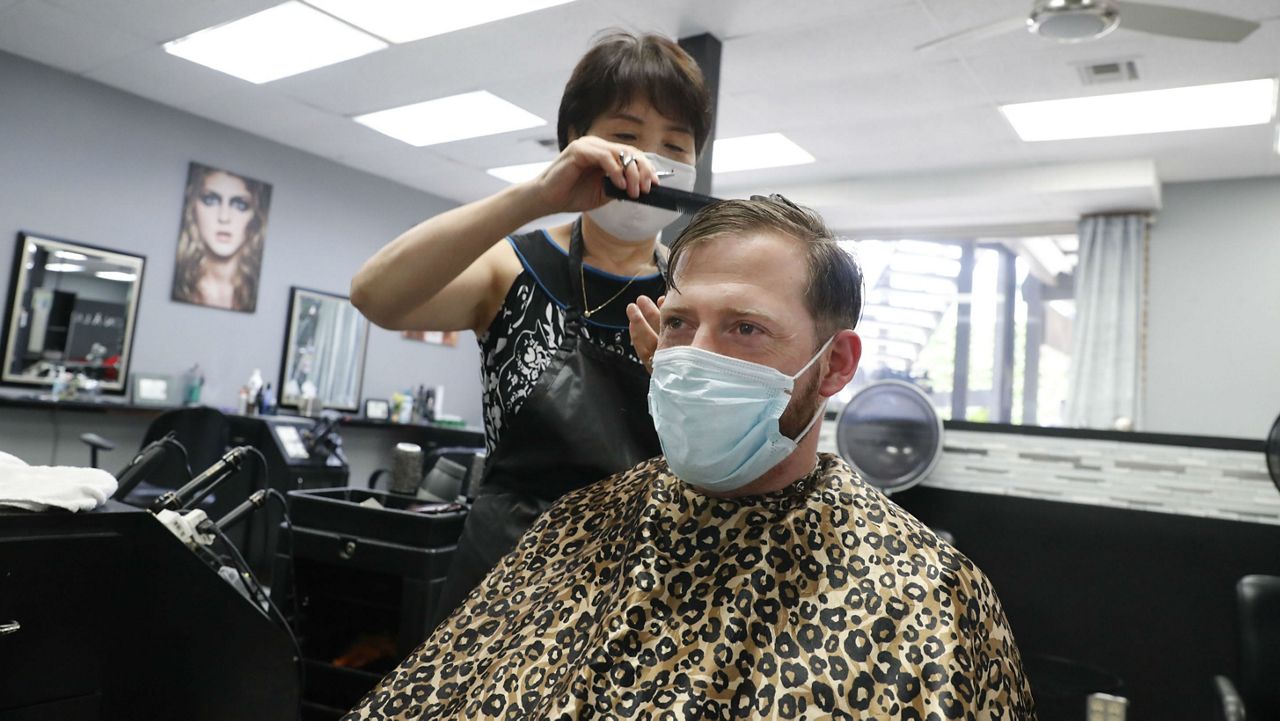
x=641, y=598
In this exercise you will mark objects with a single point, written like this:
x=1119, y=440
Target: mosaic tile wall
x=1206, y=482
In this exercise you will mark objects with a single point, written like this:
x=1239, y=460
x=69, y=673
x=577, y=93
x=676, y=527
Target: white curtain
x=1107, y=335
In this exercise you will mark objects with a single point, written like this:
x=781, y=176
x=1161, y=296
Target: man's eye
x=626, y=137
x=747, y=329
x=675, y=148
x=672, y=323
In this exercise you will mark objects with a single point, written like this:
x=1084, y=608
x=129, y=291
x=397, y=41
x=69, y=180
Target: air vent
x=1113, y=71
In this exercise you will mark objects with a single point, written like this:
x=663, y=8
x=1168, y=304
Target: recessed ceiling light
x=402, y=21
x=470, y=115
x=116, y=275
x=63, y=268
x=278, y=42
x=752, y=152
x=1198, y=107
x=518, y=173
x=68, y=255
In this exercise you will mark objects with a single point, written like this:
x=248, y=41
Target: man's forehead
x=764, y=272
x=754, y=255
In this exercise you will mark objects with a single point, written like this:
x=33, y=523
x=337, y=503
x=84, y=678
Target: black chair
x=204, y=433
x=1257, y=697
x=96, y=443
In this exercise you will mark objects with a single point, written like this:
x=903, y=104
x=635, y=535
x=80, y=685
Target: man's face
x=743, y=297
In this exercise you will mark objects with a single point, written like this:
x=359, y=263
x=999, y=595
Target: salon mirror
x=71, y=306
x=324, y=351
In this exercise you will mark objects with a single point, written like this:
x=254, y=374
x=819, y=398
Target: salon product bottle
x=255, y=390
x=194, y=384
x=60, y=379
x=416, y=415
x=267, y=401
x=429, y=405
x=406, y=407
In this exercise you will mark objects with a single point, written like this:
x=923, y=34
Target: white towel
x=39, y=488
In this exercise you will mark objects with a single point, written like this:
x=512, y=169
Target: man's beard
x=802, y=408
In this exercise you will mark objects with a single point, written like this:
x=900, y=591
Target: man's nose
x=705, y=338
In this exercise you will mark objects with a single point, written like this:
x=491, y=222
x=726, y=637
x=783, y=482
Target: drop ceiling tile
x=546, y=44
x=53, y=36
x=162, y=20
x=164, y=78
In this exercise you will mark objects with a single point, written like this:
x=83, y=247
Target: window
x=982, y=326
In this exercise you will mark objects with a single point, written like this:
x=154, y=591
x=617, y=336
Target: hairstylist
x=565, y=395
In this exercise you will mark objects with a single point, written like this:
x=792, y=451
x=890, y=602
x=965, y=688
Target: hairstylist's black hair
x=622, y=66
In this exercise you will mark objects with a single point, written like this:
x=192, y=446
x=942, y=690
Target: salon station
x=586, y=359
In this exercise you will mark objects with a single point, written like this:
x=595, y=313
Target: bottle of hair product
x=194, y=384
x=429, y=405
x=406, y=407
x=255, y=390
x=268, y=400
x=60, y=380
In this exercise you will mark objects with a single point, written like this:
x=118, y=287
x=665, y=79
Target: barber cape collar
x=41, y=488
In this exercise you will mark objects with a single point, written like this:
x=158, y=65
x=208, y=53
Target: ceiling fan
x=1073, y=21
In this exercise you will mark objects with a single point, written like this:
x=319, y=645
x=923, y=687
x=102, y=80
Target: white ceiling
x=902, y=138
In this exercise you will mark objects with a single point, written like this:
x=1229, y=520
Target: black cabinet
x=364, y=585
x=108, y=616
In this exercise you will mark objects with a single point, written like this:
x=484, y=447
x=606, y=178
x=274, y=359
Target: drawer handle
x=10, y=628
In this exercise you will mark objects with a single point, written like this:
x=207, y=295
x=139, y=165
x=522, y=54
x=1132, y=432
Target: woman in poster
x=224, y=222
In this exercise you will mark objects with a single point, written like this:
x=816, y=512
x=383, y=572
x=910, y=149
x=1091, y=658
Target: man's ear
x=842, y=363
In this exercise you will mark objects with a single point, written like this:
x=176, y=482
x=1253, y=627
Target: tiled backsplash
x=1228, y=484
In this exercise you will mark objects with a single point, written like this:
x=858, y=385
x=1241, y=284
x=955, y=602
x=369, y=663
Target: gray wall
x=1213, y=338
x=84, y=162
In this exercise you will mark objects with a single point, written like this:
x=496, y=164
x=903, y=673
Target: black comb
x=667, y=198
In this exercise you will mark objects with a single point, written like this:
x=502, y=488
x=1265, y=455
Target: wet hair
x=622, y=66
x=833, y=292
x=189, y=267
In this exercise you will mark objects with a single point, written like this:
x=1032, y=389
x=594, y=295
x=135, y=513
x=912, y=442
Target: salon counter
x=41, y=431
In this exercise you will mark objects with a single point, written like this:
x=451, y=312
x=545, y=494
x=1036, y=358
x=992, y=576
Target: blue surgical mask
x=717, y=417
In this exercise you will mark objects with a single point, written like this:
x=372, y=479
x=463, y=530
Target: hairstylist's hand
x=645, y=324
x=574, y=180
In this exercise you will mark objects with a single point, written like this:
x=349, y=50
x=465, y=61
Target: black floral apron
x=586, y=419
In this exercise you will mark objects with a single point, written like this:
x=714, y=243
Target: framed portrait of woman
x=220, y=239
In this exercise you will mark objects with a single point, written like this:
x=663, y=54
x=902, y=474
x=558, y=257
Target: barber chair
x=1257, y=697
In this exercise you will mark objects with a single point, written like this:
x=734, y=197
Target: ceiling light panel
x=519, y=173
x=457, y=117
x=753, y=152
x=278, y=42
x=1198, y=107
x=402, y=21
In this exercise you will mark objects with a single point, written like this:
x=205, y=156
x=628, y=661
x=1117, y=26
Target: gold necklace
x=582, y=274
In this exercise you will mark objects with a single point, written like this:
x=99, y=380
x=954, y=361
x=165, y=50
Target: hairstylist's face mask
x=636, y=222
x=717, y=417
